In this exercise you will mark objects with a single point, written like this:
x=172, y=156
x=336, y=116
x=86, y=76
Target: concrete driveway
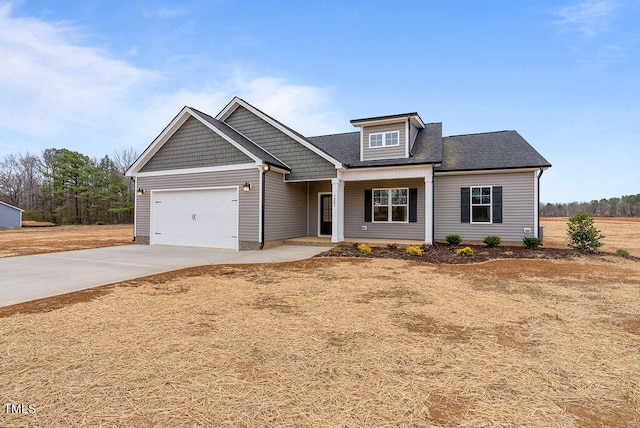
x=26, y=278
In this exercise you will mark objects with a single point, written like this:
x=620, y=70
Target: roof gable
x=246, y=147
x=4, y=204
x=237, y=102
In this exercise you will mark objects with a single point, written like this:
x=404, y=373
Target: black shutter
x=368, y=196
x=465, y=205
x=496, y=201
x=413, y=205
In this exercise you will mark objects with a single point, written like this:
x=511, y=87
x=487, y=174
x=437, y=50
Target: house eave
x=492, y=170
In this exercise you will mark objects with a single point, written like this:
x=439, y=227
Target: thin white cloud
x=47, y=80
x=589, y=17
x=59, y=93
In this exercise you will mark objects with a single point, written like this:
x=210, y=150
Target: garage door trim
x=154, y=194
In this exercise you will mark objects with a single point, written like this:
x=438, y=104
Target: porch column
x=337, y=210
x=428, y=208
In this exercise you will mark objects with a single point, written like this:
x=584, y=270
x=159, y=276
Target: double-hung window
x=390, y=205
x=481, y=205
x=384, y=139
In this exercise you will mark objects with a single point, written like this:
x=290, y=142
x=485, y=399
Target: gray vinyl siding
x=10, y=217
x=192, y=146
x=305, y=164
x=248, y=210
x=413, y=133
x=393, y=152
x=315, y=187
x=517, y=206
x=285, y=208
x=354, y=212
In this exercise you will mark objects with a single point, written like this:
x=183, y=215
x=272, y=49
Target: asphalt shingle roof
x=485, y=151
x=491, y=150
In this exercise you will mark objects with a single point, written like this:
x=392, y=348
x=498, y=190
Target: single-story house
x=243, y=180
x=10, y=216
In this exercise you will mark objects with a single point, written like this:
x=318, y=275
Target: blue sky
x=100, y=76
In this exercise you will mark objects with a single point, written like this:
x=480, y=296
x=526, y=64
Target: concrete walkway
x=26, y=278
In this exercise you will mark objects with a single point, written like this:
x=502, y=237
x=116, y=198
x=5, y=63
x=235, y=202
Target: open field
x=621, y=233
x=38, y=240
x=337, y=342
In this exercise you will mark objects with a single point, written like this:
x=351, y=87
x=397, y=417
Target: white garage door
x=195, y=218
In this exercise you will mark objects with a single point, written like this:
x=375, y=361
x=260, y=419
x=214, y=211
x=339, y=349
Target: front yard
x=337, y=342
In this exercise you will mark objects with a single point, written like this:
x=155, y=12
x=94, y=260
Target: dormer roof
x=381, y=120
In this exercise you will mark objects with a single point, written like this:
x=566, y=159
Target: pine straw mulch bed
x=445, y=254
x=336, y=342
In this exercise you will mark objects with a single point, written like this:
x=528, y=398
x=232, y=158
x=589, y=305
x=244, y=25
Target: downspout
x=262, y=207
x=433, y=204
x=538, y=207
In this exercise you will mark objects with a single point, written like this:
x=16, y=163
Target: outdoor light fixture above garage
x=140, y=191
x=246, y=187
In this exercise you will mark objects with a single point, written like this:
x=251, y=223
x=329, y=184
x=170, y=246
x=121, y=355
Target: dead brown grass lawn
x=38, y=240
x=621, y=233
x=337, y=342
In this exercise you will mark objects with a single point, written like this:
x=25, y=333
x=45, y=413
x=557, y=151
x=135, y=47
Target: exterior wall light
x=246, y=187
x=266, y=167
x=140, y=191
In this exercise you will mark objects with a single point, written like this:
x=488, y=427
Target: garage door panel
x=200, y=218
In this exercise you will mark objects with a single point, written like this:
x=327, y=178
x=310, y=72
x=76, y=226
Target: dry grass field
x=620, y=233
x=38, y=240
x=337, y=342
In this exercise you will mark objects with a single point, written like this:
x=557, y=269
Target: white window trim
x=471, y=205
x=384, y=139
x=381, y=143
x=397, y=139
x=389, y=205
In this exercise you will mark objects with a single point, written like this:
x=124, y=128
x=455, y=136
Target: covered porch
x=346, y=208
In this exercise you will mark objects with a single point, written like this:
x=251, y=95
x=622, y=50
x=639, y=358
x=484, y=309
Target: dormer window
x=384, y=139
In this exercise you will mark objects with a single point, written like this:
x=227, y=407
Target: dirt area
x=38, y=240
x=336, y=342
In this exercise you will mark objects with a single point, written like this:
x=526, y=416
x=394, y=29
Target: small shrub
x=532, y=243
x=364, y=248
x=454, y=239
x=492, y=241
x=414, y=250
x=393, y=246
x=583, y=235
x=622, y=253
x=464, y=252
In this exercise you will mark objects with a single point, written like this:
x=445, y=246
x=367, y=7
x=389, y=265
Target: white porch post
x=428, y=208
x=337, y=210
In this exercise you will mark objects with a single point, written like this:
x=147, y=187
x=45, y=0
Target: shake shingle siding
x=193, y=146
x=517, y=206
x=248, y=210
x=285, y=209
x=305, y=164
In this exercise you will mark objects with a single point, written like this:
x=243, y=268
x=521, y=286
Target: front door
x=326, y=214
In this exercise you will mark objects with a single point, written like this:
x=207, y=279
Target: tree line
x=624, y=206
x=67, y=187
